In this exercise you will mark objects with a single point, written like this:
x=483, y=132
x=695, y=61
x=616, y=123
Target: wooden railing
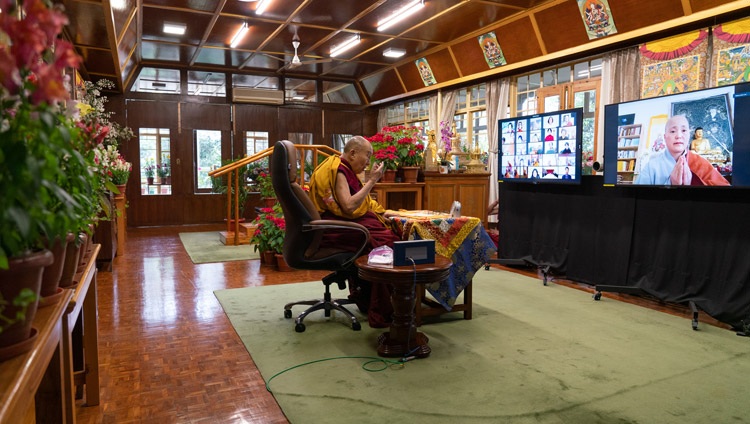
x=231, y=170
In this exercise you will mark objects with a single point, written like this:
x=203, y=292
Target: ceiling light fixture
x=239, y=35
x=173, y=28
x=346, y=45
x=262, y=7
x=409, y=9
x=391, y=52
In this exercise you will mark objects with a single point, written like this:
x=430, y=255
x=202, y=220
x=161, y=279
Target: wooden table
x=21, y=377
x=403, y=339
x=81, y=341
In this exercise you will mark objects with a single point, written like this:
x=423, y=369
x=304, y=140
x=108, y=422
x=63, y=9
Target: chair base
x=327, y=304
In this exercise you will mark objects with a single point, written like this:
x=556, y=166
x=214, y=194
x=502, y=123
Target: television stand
x=635, y=290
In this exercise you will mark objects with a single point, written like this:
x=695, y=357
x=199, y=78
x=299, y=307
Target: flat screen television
x=698, y=138
x=541, y=148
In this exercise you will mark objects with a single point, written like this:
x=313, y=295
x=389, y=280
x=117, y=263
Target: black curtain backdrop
x=675, y=244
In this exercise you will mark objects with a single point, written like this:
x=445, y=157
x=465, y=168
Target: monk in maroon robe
x=338, y=193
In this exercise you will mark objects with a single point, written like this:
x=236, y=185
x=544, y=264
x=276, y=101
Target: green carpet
x=532, y=354
x=206, y=247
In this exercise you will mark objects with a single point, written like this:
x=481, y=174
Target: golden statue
x=430, y=152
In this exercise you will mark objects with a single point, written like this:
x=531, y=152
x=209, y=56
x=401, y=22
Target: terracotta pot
x=121, y=188
x=72, y=254
x=281, y=264
x=150, y=180
x=268, y=258
x=389, y=176
x=269, y=202
x=410, y=173
x=23, y=273
x=52, y=273
x=85, y=244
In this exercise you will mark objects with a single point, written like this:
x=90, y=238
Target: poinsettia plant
x=397, y=146
x=271, y=227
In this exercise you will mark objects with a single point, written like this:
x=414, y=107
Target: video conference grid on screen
x=541, y=148
x=698, y=138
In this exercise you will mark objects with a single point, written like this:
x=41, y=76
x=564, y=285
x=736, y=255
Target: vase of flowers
x=163, y=172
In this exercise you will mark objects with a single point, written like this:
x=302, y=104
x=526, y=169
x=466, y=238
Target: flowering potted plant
x=399, y=146
x=112, y=165
x=150, y=170
x=445, y=146
x=384, y=151
x=163, y=172
x=48, y=188
x=265, y=186
x=269, y=233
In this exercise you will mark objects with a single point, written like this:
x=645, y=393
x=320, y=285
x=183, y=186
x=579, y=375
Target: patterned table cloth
x=462, y=240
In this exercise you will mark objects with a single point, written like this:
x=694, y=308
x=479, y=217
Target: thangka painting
x=671, y=76
x=597, y=18
x=491, y=49
x=734, y=65
x=425, y=72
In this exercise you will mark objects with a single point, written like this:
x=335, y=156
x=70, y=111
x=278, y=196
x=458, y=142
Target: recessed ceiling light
x=173, y=28
x=391, y=52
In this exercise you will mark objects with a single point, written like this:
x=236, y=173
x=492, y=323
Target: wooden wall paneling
x=442, y=65
x=701, y=5
x=205, y=116
x=518, y=41
x=633, y=14
x=561, y=26
x=341, y=122
x=470, y=57
x=370, y=122
x=384, y=85
x=297, y=120
x=410, y=75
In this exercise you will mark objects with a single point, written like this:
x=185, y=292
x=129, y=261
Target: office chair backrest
x=300, y=247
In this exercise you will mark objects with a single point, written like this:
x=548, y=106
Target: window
x=471, y=117
x=339, y=141
x=156, y=166
x=208, y=157
x=300, y=90
x=565, y=87
x=156, y=80
x=340, y=92
x=212, y=84
x=255, y=142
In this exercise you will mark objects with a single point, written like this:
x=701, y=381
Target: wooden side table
x=403, y=339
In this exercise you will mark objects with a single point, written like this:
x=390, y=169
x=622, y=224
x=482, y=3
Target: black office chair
x=304, y=231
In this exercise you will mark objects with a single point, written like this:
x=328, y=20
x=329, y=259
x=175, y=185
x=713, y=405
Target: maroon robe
x=374, y=299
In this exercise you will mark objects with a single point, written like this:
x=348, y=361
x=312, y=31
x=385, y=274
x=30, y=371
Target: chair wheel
x=486, y=267
x=300, y=328
x=287, y=313
x=356, y=326
x=597, y=295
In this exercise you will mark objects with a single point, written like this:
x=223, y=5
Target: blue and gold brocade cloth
x=462, y=240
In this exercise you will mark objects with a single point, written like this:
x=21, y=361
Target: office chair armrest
x=333, y=224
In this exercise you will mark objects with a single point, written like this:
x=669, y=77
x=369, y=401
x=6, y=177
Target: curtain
x=434, y=119
x=621, y=82
x=382, y=118
x=498, y=93
x=449, y=105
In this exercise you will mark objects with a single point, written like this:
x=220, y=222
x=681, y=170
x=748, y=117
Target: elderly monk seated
x=339, y=193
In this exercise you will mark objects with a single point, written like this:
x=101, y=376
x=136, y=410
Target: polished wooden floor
x=167, y=351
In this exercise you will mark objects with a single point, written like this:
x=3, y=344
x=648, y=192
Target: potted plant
x=269, y=233
x=150, y=170
x=384, y=151
x=162, y=171
x=47, y=186
x=265, y=186
x=399, y=147
x=446, y=137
